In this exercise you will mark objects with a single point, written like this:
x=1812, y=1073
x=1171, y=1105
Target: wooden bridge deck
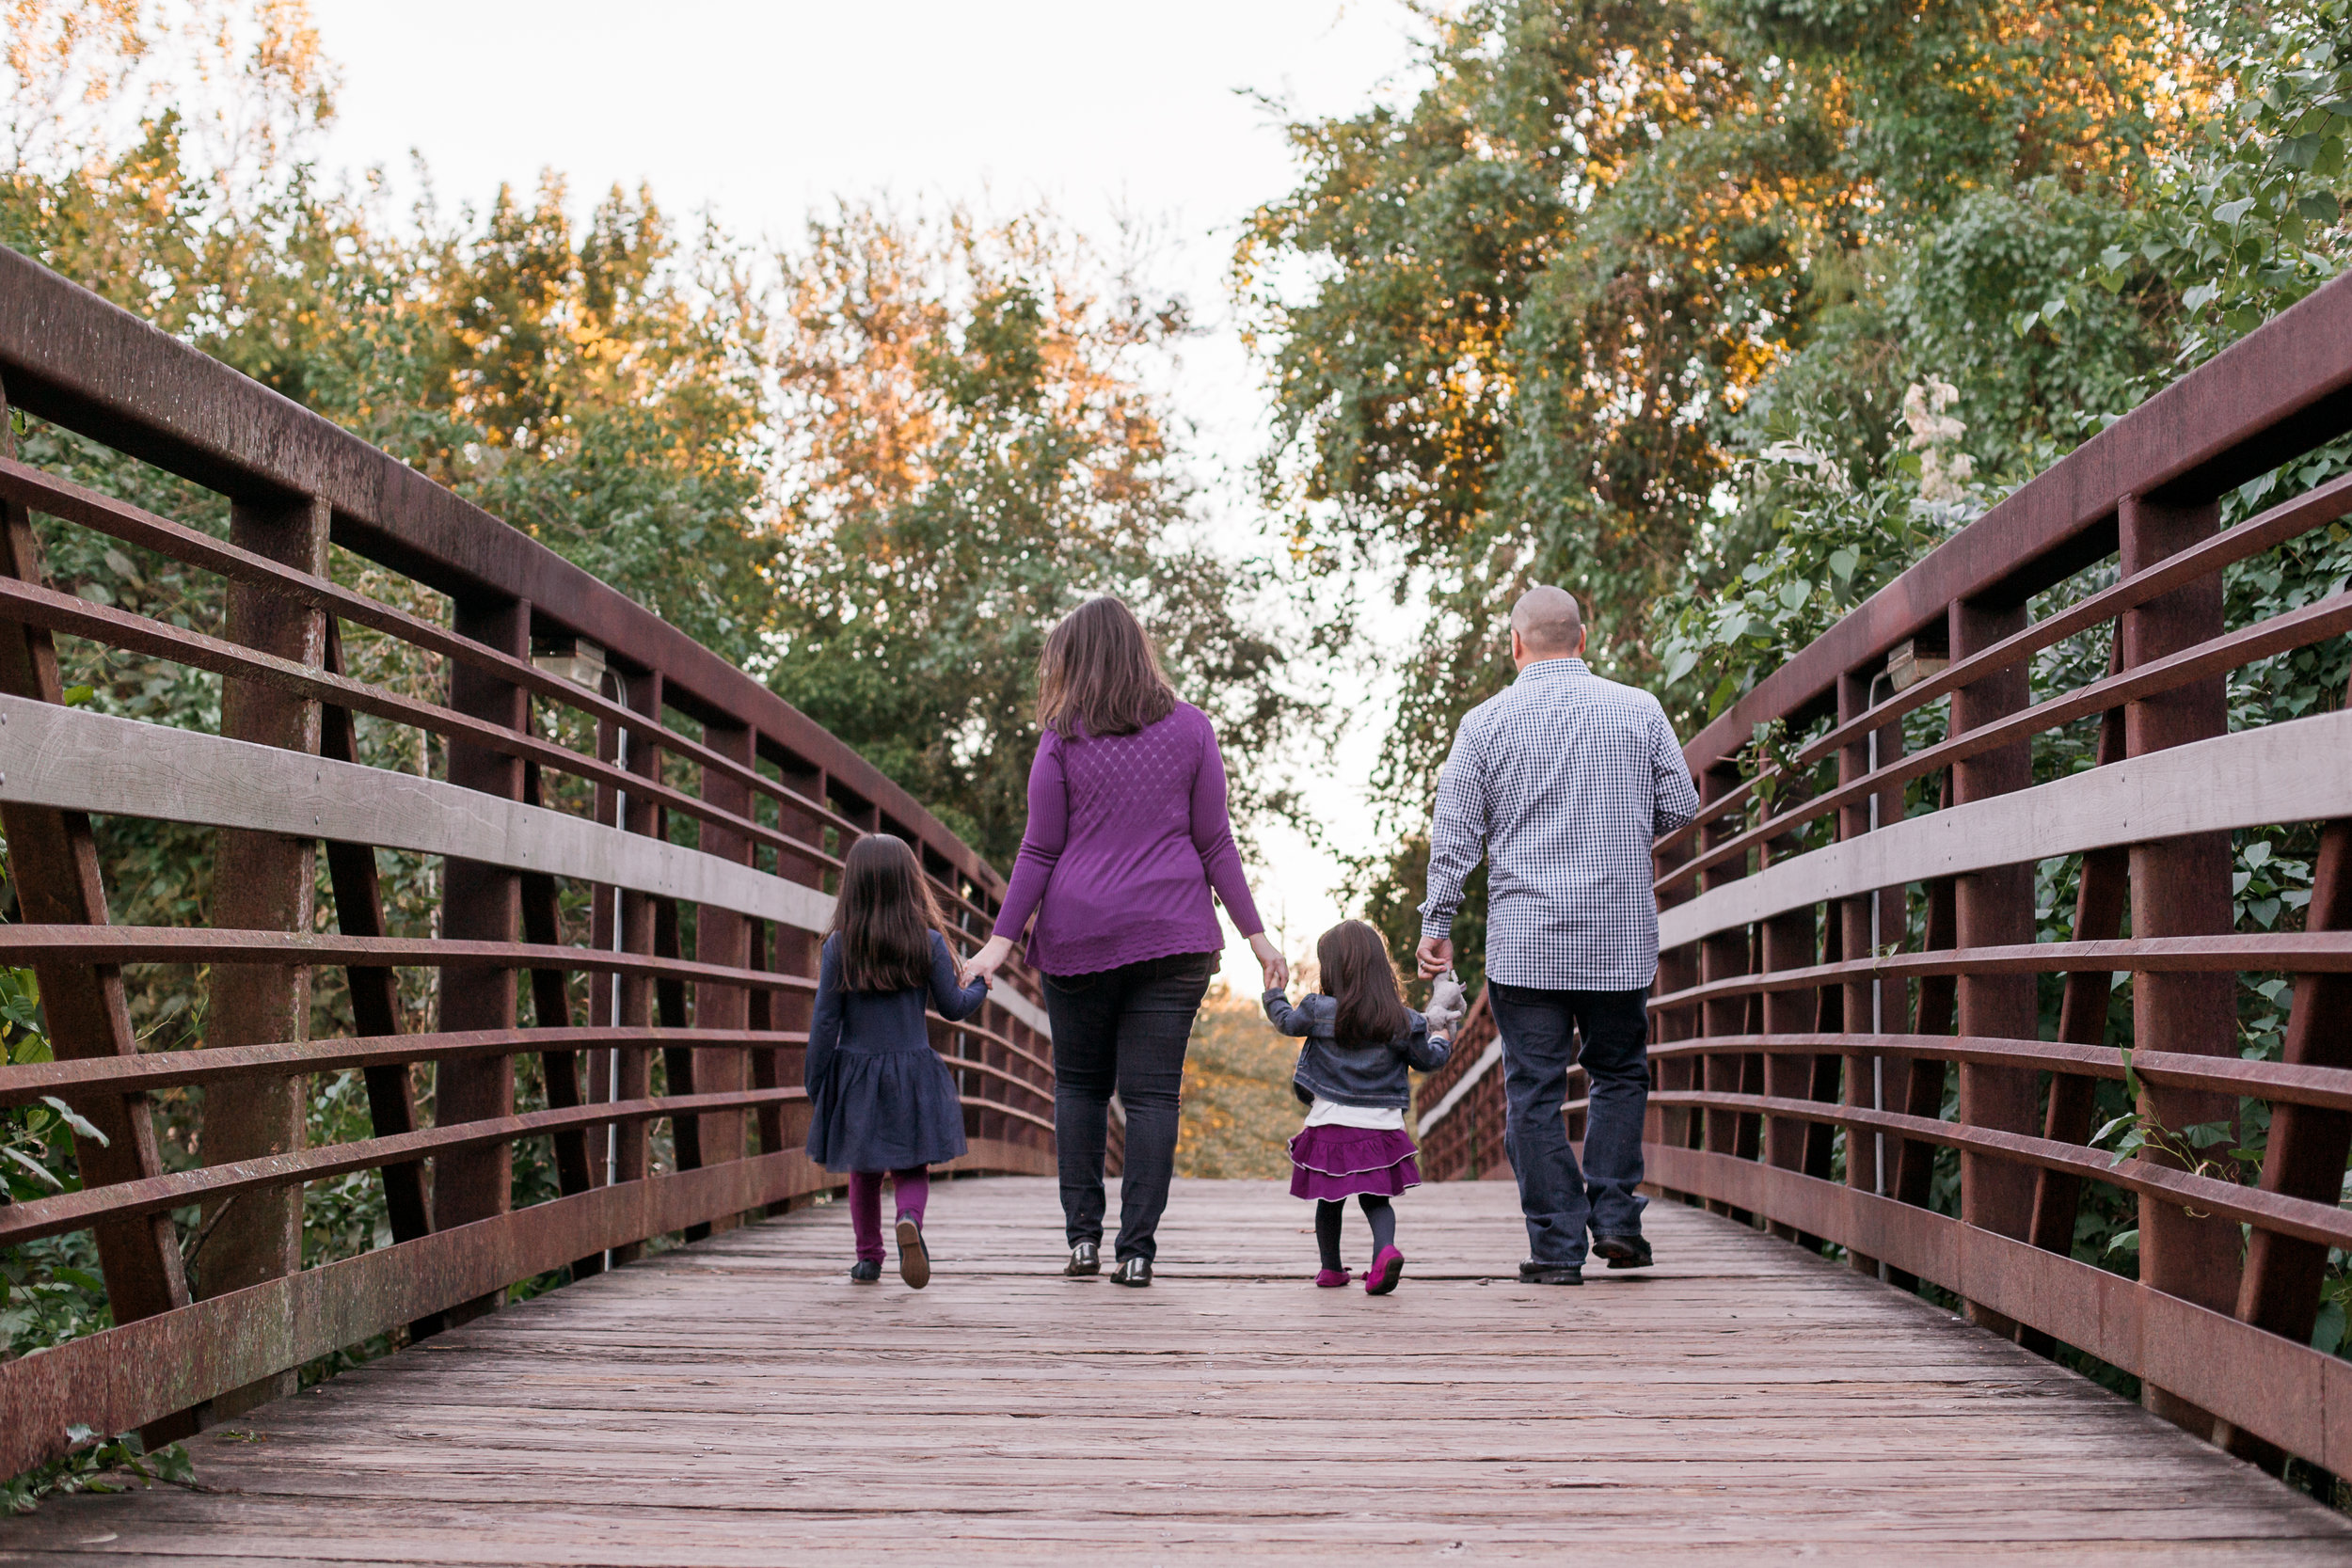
x=738, y=1402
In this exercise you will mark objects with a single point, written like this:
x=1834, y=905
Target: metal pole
x=1878, y=986
x=612, y=1058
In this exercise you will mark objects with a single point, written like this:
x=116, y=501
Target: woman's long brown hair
x=1098, y=675
x=885, y=916
x=1357, y=973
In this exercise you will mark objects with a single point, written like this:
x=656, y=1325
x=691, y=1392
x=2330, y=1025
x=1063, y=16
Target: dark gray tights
x=1379, y=1212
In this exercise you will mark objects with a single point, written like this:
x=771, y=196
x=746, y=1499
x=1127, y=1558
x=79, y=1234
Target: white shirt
x=1380, y=1119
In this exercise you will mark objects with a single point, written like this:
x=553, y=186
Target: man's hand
x=1436, y=955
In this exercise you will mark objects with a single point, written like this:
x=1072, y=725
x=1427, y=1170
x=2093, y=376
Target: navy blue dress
x=882, y=1098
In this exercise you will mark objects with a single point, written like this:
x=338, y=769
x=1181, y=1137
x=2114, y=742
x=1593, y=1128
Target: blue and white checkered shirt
x=1562, y=781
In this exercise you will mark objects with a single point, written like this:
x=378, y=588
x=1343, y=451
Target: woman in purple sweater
x=1127, y=835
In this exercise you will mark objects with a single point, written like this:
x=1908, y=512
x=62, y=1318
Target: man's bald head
x=1547, y=622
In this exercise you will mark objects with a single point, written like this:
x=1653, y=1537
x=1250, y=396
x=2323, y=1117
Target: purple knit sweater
x=1127, y=833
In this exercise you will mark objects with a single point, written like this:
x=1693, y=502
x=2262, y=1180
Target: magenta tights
x=914, y=1185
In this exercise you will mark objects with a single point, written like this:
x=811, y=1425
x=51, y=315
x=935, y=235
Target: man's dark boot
x=1622, y=1252
x=1533, y=1273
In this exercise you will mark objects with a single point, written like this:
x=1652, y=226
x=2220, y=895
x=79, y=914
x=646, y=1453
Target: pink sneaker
x=1331, y=1279
x=1385, y=1271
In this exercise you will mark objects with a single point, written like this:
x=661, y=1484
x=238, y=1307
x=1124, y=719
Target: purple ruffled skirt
x=1332, y=1163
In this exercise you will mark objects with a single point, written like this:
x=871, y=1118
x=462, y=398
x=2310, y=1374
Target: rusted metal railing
x=702, y=953
x=1801, y=1026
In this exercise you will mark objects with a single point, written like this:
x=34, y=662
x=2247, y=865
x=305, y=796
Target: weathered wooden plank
x=741, y=1400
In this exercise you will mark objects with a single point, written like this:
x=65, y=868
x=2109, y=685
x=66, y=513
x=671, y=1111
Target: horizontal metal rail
x=44, y=493
x=2290, y=521
x=547, y=824
x=2298, y=628
x=2277, y=1390
x=1831, y=965
x=2302, y=953
x=28, y=1082
x=2246, y=779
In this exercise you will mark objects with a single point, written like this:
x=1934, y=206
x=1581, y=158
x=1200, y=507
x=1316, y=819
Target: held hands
x=987, y=962
x=1278, y=969
x=1435, y=955
x=990, y=957
x=1447, y=1004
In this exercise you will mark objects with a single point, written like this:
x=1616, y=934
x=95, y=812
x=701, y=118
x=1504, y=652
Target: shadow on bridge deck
x=738, y=1402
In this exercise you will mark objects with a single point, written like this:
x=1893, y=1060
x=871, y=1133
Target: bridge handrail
x=576, y=724
x=1791, y=1034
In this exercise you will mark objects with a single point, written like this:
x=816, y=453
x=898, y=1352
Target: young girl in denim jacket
x=880, y=1098
x=1352, y=1074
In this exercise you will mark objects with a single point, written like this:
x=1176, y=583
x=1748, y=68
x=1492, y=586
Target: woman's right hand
x=987, y=962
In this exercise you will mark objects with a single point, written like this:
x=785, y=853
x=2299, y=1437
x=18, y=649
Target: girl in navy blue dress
x=880, y=1098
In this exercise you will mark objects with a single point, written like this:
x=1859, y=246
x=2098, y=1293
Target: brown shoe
x=914, y=1258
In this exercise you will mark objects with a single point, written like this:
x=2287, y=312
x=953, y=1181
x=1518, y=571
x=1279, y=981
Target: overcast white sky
x=763, y=111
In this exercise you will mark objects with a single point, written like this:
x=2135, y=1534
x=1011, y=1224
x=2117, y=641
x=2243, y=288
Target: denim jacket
x=1370, y=1077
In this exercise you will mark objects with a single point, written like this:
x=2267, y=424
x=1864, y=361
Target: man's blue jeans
x=1538, y=1028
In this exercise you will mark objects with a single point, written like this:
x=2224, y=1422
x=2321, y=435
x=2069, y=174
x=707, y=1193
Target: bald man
x=1561, y=782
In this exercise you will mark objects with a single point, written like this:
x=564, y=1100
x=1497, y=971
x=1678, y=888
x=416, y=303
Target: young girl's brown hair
x=1098, y=673
x=885, y=916
x=1357, y=973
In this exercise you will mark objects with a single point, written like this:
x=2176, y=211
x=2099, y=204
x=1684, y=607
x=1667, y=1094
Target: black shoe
x=1622, y=1252
x=1086, y=1257
x=1133, y=1270
x=914, y=1258
x=1551, y=1274
x=865, y=1272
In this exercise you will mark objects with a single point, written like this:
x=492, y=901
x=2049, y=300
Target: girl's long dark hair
x=1098, y=673
x=885, y=916
x=1355, y=973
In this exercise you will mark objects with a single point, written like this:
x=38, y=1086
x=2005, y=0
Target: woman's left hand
x=1278, y=969
x=987, y=962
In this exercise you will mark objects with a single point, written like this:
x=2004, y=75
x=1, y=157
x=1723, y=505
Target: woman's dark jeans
x=1123, y=1029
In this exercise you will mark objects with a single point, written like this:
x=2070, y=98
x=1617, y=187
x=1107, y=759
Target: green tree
x=970, y=448
x=1554, y=305
x=656, y=405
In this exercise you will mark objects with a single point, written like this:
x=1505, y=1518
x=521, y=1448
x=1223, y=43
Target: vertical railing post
x=263, y=883
x=52, y=859
x=480, y=903
x=794, y=951
x=629, y=1003
x=1788, y=941
x=1722, y=957
x=2180, y=888
x=1677, y=969
x=552, y=1008
x=1995, y=909
x=2305, y=1155
x=1869, y=924
x=375, y=989
x=2100, y=893
x=724, y=937
x=1913, y=1177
